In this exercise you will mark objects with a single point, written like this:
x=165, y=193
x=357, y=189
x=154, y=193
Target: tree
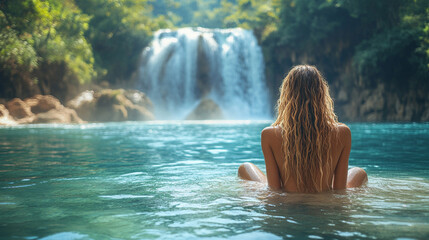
x=37, y=36
x=118, y=31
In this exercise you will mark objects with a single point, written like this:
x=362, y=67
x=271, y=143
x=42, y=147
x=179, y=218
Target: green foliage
x=393, y=47
x=118, y=31
x=261, y=16
x=48, y=43
x=395, y=50
x=35, y=33
x=308, y=23
x=385, y=39
x=424, y=43
x=15, y=51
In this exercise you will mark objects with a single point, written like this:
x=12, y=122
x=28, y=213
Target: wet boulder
x=139, y=98
x=18, y=109
x=43, y=103
x=110, y=105
x=63, y=115
x=41, y=109
x=207, y=109
x=84, y=105
x=5, y=118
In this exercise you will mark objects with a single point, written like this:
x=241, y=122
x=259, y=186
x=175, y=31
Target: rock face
x=18, y=109
x=379, y=104
x=112, y=106
x=38, y=109
x=103, y=106
x=83, y=104
x=206, y=109
x=43, y=103
x=64, y=115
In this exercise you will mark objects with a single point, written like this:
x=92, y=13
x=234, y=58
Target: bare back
x=271, y=142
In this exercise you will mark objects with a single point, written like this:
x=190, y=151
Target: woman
x=306, y=149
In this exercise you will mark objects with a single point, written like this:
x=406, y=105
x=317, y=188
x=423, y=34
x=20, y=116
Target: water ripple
x=179, y=180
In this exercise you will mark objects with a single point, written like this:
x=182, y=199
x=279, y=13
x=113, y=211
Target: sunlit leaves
x=259, y=15
x=385, y=39
x=15, y=51
x=50, y=31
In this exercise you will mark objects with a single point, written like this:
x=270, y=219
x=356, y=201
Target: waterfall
x=179, y=68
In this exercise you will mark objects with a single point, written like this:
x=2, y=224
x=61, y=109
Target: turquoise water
x=177, y=180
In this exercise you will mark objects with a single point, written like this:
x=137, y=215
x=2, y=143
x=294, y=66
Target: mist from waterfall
x=182, y=67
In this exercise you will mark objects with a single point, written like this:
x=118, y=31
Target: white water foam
x=181, y=67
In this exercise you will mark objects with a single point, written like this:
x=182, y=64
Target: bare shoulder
x=344, y=132
x=271, y=133
x=343, y=128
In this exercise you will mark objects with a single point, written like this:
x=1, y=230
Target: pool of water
x=177, y=180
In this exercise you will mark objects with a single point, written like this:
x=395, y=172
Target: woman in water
x=306, y=149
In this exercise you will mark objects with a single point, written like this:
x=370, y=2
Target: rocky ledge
x=110, y=105
x=38, y=109
x=106, y=105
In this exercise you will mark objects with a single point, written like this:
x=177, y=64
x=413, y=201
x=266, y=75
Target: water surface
x=178, y=180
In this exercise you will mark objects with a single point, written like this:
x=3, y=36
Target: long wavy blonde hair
x=307, y=119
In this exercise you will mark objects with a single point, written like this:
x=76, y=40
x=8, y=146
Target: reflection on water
x=178, y=180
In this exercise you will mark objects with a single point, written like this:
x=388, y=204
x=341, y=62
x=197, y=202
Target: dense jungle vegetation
x=54, y=46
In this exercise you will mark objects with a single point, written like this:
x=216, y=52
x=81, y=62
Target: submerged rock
x=112, y=106
x=207, y=109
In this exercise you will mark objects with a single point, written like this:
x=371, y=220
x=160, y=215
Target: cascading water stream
x=180, y=68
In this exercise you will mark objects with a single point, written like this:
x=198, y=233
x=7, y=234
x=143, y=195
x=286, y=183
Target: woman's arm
x=273, y=173
x=340, y=174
